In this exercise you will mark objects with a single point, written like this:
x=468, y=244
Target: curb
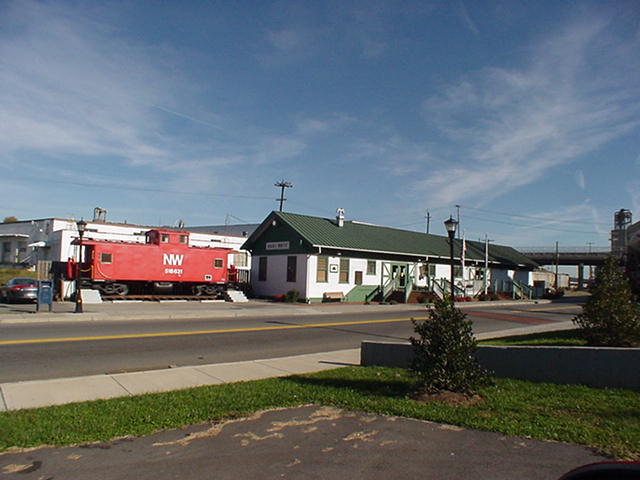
x=59, y=391
x=265, y=311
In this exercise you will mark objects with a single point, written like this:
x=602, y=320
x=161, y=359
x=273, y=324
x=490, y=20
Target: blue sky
x=526, y=114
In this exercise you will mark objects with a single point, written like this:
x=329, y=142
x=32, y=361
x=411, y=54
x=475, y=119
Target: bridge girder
x=572, y=259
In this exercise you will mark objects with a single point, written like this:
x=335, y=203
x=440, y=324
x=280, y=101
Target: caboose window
x=240, y=259
x=217, y=263
x=106, y=257
x=183, y=239
x=164, y=238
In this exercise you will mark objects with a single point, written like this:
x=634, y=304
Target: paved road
x=311, y=442
x=54, y=350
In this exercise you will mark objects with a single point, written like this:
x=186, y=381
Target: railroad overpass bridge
x=566, y=255
x=572, y=256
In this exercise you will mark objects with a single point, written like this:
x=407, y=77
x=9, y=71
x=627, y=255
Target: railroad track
x=158, y=298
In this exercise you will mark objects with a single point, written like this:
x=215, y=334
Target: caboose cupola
x=157, y=237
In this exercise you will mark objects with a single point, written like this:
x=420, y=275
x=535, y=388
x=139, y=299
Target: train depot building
x=335, y=259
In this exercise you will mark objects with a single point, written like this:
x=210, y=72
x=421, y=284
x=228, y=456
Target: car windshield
x=23, y=281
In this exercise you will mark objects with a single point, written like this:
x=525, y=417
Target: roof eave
x=334, y=247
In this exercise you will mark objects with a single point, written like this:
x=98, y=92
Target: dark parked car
x=20, y=289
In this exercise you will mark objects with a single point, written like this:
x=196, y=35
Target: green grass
x=606, y=419
x=570, y=338
x=7, y=274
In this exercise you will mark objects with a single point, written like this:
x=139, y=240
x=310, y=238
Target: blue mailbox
x=45, y=294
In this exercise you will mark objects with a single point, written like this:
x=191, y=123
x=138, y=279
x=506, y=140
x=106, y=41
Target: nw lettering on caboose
x=172, y=259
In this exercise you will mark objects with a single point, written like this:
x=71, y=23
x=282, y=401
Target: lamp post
x=450, y=224
x=82, y=226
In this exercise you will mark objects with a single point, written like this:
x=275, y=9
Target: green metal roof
x=324, y=232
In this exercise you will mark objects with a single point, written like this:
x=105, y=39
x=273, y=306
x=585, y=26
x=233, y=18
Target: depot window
x=262, y=269
x=292, y=263
x=323, y=266
x=343, y=277
x=106, y=258
x=217, y=263
x=371, y=267
x=427, y=270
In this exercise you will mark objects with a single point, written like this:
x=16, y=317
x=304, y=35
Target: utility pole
x=463, y=249
x=486, y=263
x=590, y=265
x=458, y=219
x=557, y=262
x=282, y=184
x=427, y=219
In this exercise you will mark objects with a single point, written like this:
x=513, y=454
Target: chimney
x=340, y=217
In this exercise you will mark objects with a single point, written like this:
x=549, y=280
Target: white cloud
x=73, y=89
x=68, y=86
x=513, y=125
x=311, y=126
x=393, y=154
x=286, y=40
x=466, y=19
x=547, y=227
x=287, y=45
x=580, y=179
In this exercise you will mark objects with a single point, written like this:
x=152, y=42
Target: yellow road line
x=198, y=332
x=548, y=309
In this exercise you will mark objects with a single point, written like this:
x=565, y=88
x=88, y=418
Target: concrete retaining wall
x=592, y=366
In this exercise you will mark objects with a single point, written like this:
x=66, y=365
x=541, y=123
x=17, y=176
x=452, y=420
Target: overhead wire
x=147, y=189
x=534, y=217
x=539, y=227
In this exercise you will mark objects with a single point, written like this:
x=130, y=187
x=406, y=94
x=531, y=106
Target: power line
x=529, y=216
x=531, y=226
x=146, y=189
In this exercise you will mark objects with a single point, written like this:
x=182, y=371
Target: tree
x=611, y=316
x=445, y=351
x=10, y=219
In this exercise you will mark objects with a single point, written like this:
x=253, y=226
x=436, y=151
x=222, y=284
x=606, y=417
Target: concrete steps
x=236, y=296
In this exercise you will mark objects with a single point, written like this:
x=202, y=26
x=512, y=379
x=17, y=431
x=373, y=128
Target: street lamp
x=450, y=224
x=82, y=226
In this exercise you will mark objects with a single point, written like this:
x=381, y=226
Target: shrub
x=445, y=351
x=611, y=315
x=292, y=296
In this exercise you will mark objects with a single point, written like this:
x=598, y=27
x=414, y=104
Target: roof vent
x=99, y=215
x=340, y=217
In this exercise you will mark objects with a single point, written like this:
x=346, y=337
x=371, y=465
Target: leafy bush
x=488, y=297
x=445, y=351
x=292, y=296
x=611, y=316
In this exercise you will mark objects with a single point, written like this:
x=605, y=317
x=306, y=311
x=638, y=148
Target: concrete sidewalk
x=42, y=393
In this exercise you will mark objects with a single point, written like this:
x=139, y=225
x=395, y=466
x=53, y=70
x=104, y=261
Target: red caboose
x=164, y=264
